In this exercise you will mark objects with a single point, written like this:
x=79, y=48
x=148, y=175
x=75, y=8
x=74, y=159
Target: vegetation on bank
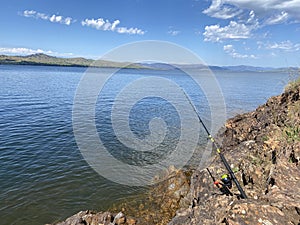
x=46, y=60
x=292, y=85
x=292, y=129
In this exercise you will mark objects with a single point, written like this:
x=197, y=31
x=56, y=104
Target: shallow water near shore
x=43, y=176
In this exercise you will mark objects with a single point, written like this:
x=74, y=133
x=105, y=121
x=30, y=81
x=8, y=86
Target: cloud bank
x=226, y=9
x=246, y=16
x=234, y=30
x=243, y=19
x=29, y=51
x=286, y=46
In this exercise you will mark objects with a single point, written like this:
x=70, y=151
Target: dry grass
x=295, y=83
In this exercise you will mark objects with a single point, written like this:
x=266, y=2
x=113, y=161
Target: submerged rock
x=100, y=218
x=88, y=218
x=162, y=200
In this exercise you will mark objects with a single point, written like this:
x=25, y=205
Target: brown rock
x=119, y=219
x=263, y=145
x=131, y=221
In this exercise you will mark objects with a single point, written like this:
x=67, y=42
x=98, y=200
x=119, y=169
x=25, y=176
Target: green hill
x=46, y=60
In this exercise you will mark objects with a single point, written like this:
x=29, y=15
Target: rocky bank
x=263, y=148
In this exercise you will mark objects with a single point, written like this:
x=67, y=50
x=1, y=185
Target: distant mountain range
x=240, y=68
x=46, y=60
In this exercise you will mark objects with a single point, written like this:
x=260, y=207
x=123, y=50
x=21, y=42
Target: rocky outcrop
x=100, y=218
x=161, y=201
x=264, y=149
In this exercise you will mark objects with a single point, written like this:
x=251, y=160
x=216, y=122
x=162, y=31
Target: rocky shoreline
x=263, y=147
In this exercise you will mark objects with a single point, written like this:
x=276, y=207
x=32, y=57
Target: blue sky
x=221, y=32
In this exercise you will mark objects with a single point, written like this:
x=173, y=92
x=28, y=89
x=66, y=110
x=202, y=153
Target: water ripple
x=43, y=177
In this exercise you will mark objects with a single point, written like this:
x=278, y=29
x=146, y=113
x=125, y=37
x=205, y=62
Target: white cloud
x=93, y=23
x=247, y=17
x=225, y=9
x=115, y=24
x=124, y=30
x=68, y=21
x=284, y=46
x=42, y=16
x=101, y=24
x=277, y=19
x=173, y=32
x=229, y=49
x=218, y=10
x=233, y=30
x=54, y=18
x=29, y=13
x=28, y=51
x=23, y=51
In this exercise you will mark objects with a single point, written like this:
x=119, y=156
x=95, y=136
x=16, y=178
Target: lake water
x=43, y=176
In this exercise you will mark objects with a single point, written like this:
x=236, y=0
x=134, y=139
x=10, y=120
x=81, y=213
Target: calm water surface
x=43, y=177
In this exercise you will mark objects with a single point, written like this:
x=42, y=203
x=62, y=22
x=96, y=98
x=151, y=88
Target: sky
x=221, y=32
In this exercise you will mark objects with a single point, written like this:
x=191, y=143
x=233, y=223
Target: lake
x=44, y=177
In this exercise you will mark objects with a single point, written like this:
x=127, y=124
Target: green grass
x=292, y=134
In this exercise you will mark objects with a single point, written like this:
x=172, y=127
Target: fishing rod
x=233, y=177
x=213, y=178
x=222, y=187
